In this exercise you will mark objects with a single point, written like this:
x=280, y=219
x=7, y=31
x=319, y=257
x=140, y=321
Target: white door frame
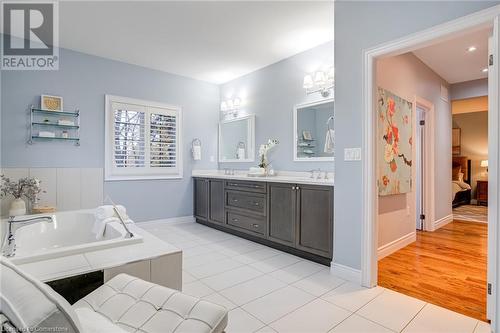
x=429, y=157
x=420, y=39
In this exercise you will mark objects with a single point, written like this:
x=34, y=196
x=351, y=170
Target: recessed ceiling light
x=471, y=48
x=484, y=70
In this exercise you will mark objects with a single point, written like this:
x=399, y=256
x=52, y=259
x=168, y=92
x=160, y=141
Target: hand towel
x=329, y=141
x=197, y=153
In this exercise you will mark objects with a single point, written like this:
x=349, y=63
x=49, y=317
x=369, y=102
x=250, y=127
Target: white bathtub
x=69, y=233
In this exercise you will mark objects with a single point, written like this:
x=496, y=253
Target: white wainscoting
x=65, y=188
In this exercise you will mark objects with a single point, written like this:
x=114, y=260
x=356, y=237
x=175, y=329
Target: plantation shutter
x=163, y=138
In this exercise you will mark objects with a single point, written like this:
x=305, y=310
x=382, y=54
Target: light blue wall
x=271, y=93
x=360, y=25
x=83, y=80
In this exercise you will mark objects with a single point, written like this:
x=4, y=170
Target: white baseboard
x=170, y=220
x=442, y=222
x=397, y=244
x=346, y=272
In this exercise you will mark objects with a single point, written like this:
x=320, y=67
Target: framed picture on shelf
x=51, y=103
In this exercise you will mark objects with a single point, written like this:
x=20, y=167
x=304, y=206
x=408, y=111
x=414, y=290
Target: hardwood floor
x=446, y=267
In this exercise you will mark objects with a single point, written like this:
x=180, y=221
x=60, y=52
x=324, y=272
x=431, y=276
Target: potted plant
x=27, y=187
x=263, y=151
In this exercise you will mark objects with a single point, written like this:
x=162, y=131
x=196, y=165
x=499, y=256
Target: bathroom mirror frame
x=250, y=139
x=296, y=108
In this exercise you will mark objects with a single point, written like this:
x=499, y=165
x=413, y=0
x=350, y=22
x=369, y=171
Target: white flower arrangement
x=264, y=150
x=28, y=187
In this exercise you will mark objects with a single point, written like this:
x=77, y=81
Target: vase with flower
x=25, y=188
x=263, y=154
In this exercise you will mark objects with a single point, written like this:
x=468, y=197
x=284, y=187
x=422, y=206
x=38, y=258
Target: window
x=143, y=140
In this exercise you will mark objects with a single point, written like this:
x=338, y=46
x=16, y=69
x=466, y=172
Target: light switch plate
x=352, y=154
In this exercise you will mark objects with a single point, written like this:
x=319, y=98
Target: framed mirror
x=237, y=139
x=314, y=136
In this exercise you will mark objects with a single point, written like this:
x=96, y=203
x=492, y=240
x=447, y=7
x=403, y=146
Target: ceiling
x=451, y=60
x=211, y=41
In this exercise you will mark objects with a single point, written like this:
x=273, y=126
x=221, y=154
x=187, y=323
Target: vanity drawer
x=258, y=187
x=251, y=202
x=254, y=224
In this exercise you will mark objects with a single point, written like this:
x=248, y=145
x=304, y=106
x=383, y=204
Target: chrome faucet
x=9, y=244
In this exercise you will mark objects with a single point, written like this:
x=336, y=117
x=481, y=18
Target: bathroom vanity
x=292, y=214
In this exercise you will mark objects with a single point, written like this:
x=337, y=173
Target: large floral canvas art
x=394, y=143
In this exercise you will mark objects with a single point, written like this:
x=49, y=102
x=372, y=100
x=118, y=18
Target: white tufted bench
x=135, y=305
x=123, y=304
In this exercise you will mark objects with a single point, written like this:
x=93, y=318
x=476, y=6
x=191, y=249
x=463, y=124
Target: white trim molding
x=396, y=245
x=442, y=222
x=346, y=272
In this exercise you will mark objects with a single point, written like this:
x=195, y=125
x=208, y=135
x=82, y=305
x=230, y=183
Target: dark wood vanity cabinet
x=209, y=199
x=216, y=201
x=282, y=213
x=292, y=217
x=314, y=227
x=201, y=195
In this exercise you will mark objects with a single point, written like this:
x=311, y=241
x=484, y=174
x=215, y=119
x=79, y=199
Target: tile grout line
x=413, y=318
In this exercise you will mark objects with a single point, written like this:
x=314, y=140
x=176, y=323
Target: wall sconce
x=321, y=81
x=231, y=106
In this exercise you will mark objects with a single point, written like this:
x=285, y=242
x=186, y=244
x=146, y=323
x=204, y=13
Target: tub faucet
x=9, y=244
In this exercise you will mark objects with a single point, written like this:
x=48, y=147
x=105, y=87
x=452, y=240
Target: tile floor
x=267, y=290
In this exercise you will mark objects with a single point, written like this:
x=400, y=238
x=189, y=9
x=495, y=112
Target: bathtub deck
x=114, y=260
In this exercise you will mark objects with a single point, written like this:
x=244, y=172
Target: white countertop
x=71, y=265
x=291, y=177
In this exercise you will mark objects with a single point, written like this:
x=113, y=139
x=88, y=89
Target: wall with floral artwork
x=408, y=77
x=395, y=143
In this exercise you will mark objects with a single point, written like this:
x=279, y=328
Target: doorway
x=371, y=202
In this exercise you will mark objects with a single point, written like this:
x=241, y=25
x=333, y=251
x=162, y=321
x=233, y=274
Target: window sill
x=151, y=177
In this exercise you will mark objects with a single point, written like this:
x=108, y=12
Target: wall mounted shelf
x=47, y=120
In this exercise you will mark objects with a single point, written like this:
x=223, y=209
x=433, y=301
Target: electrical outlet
x=352, y=154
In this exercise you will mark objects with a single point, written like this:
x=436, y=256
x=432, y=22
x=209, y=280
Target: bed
x=461, y=184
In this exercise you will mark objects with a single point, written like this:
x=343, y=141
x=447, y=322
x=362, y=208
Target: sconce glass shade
x=223, y=106
x=484, y=163
x=308, y=82
x=236, y=102
x=320, y=78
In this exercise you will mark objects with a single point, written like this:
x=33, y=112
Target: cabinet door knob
x=235, y=200
x=256, y=203
x=297, y=188
x=293, y=187
x=234, y=219
x=255, y=225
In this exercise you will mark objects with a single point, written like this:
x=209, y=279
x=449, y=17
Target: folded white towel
x=107, y=211
x=329, y=141
x=106, y=214
x=100, y=226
